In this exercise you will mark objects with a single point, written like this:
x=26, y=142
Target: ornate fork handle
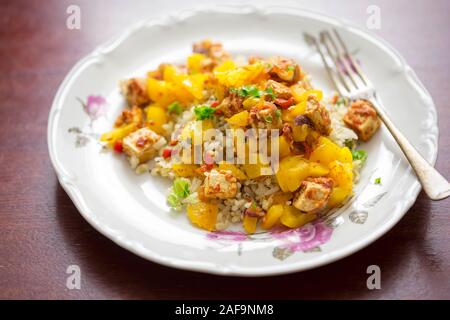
x=433, y=183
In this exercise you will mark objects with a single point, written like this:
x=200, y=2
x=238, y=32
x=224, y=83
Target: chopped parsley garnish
x=340, y=100
x=290, y=68
x=180, y=190
x=204, y=112
x=251, y=91
x=359, y=155
x=174, y=107
x=268, y=119
x=278, y=113
x=349, y=143
x=270, y=92
x=377, y=181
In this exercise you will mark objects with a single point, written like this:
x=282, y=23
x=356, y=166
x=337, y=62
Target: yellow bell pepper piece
x=272, y=216
x=249, y=224
x=203, y=215
x=112, y=136
x=235, y=171
x=294, y=111
x=185, y=170
x=194, y=62
x=294, y=218
x=284, y=147
x=156, y=117
x=239, y=120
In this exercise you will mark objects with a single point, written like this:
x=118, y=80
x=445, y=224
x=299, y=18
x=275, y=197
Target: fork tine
x=343, y=64
x=325, y=41
x=337, y=84
x=353, y=64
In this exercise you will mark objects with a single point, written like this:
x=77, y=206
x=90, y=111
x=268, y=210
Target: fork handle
x=433, y=183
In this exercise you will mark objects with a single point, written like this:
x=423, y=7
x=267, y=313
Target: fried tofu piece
x=363, y=119
x=219, y=184
x=284, y=70
x=135, y=92
x=127, y=116
x=319, y=116
x=313, y=194
x=140, y=144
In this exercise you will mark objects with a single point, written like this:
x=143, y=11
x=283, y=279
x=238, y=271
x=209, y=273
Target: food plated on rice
x=245, y=141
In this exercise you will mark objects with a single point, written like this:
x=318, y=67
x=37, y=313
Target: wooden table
x=41, y=232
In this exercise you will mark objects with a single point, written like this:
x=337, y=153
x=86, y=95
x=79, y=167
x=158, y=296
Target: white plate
x=131, y=210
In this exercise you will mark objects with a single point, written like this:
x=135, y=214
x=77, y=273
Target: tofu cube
x=135, y=92
x=363, y=119
x=313, y=194
x=319, y=116
x=219, y=184
x=140, y=144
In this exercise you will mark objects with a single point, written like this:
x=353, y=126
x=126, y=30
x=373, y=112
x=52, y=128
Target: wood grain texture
x=41, y=232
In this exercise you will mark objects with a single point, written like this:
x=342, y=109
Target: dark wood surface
x=41, y=232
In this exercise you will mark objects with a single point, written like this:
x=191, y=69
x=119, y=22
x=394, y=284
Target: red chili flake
x=214, y=103
x=284, y=103
x=167, y=153
x=118, y=146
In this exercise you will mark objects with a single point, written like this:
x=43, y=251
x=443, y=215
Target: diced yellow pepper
x=239, y=120
x=284, y=147
x=249, y=224
x=235, y=171
x=112, y=136
x=156, y=117
x=292, y=171
x=294, y=218
x=294, y=111
x=345, y=155
x=325, y=152
x=317, y=169
x=185, y=170
x=203, y=215
x=272, y=216
x=194, y=62
x=251, y=102
x=317, y=93
x=228, y=74
x=342, y=175
x=337, y=197
x=281, y=197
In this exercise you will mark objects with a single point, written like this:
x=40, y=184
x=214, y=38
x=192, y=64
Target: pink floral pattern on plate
x=306, y=239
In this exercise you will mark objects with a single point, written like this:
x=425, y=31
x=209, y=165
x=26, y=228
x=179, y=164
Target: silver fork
x=351, y=82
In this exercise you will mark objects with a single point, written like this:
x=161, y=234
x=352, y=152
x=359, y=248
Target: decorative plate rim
x=68, y=184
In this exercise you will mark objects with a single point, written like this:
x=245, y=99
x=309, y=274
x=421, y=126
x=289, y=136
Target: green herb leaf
x=204, y=112
x=341, y=100
x=290, y=68
x=359, y=155
x=250, y=91
x=278, y=113
x=173, y=201
x=174, y=107
x=270, y=92
x=350, y=143
x=181, y=188
x=377, y=181
x=268, y=119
